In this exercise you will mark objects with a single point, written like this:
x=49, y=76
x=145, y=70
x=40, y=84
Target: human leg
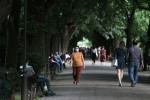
x=119, y=76
x=92, y=59
x=137, y=64
x=58, y=66
x=42, y=86
x=74, y=74
x=61, y=66
x=131, y=71
x=79, y=69
x=42, y=82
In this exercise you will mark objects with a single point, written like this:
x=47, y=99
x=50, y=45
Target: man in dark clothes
x=134, y=59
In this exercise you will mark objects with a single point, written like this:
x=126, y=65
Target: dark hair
x=122, y=45
x=135, y=42
x=27, y=60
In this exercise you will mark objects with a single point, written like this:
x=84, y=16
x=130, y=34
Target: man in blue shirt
x=58, y=61
x=135, y=56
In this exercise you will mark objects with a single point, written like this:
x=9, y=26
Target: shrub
x=13, y=77
x=36, y=60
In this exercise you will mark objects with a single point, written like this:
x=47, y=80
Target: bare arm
x=142, y=64
x=71, y=62
x=83, y=62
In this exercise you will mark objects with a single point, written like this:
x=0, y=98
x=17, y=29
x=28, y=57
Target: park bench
x=53, y=70
x=32, y=87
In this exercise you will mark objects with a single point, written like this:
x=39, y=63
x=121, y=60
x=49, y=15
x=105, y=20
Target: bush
x=13, y=77
x=36, y=60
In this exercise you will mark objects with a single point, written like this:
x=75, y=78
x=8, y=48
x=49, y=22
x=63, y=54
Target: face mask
x=76, y=50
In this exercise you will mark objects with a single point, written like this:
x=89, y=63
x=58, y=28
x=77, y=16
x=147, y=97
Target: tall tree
x=128, y=30
x=38, y=38
x=5, y=7
x=145, y=6
x=12, y=38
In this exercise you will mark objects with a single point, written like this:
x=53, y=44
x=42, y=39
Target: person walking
x=77, y=62
x=135, y=57
x=121, y=55
x=99, y=52
x=94, y=55
x=103, y=55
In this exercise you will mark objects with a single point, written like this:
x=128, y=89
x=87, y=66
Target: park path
x=99, y=82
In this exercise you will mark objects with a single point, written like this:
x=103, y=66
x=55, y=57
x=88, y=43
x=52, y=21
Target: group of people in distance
x=131, y=57
x=99, y=53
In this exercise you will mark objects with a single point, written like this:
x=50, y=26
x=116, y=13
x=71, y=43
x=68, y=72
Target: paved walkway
x=99, y=82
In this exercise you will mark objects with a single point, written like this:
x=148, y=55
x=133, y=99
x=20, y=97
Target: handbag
x=114, y=63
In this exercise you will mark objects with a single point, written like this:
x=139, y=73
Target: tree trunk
x=47, y=44
x=68, y=35
x=41, y=12
x=146, y=53
x=116, y=42
x=128, y=30
x=54, y=43
x=12, y=42
x=5, y=7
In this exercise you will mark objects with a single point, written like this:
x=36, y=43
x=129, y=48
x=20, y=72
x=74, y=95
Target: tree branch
x=49, y=5
x=141, y=7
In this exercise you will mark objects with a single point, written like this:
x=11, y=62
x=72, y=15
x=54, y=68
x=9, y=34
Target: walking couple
x=133, y=57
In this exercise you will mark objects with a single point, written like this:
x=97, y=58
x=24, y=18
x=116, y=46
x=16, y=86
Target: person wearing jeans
x=41, y=80
x=134, y=58
x=77, y=62
x=58, y=62
x=133, y=72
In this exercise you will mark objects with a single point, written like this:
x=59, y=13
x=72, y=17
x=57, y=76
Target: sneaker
x=133, y=84
x=120, y=84
x=74, y=82
x=51, y=93
x=45, y=93
x=77, y=83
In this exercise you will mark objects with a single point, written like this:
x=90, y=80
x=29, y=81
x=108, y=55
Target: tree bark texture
x=116, y=42
x=5, y=7
x=146, y=52
x=128, y=30
x=54, y=43
x=68, y=35
x=12, y=42
x=40, y=9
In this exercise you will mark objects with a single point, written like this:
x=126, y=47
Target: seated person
x=58, y=61
x=41, y=80
x=52, y=61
